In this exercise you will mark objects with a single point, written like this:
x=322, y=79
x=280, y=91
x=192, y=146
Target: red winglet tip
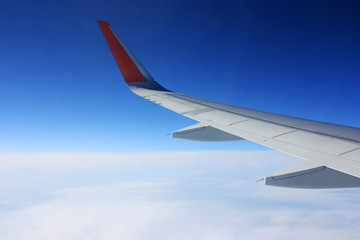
x=128, y=68
x=102, y=22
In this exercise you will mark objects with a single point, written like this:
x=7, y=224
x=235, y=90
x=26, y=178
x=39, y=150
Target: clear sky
x=60, y=90
x=61, y=94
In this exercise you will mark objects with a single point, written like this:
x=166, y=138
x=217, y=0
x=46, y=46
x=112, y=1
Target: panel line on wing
x=249, y=119
x=349, y=151
x=199, y=111
x=283, y=134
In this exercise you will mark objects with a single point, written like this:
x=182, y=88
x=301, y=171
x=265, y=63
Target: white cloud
x=173, y=195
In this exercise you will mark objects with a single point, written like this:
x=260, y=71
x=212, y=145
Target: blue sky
x=60, y=90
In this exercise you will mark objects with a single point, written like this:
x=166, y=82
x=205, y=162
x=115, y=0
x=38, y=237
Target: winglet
x=129, y=65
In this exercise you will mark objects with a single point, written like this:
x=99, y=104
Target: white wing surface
x=332, y=152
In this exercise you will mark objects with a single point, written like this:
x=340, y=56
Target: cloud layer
x=168, y=195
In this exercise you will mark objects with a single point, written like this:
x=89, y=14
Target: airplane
x=331, y=151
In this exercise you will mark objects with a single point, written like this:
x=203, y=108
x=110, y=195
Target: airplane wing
x=331, y=151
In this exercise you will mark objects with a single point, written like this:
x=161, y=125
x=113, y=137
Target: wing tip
x=132, y=70
x=130, y=67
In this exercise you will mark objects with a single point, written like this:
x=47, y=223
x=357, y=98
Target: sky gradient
x=60, y=90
